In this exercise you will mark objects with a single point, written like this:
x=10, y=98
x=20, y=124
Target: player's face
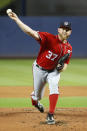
x=64, y=34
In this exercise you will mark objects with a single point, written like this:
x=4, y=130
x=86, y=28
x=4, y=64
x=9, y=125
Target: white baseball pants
x=40, y=78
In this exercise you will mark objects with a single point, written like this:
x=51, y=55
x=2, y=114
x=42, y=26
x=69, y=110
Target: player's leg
x=53, y=79
x=39, y=78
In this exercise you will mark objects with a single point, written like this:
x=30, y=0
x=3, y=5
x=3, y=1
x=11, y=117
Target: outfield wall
x=15, y=43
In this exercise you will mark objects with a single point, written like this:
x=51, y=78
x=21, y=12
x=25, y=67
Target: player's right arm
x=23, y=26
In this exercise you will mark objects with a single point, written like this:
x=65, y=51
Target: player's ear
x=59, y=30
x=69, y=32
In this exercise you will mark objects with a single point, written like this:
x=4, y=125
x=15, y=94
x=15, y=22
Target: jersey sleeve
x=70, y=52
x=43, y=37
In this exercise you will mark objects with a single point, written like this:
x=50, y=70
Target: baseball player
x=53, y=58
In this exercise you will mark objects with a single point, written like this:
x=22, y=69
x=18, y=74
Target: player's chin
x=65, y=37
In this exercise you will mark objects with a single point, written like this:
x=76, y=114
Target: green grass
x=76, y=73
x=68, y=102
x=16, y=73
x=15, y=102
x=19, y=73
x=26, y=102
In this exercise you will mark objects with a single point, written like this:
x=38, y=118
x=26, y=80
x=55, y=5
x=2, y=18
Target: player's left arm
x=63, y=62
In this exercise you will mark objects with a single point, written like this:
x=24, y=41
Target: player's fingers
x=12, y=15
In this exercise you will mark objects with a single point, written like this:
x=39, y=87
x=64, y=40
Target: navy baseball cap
x=65, y=25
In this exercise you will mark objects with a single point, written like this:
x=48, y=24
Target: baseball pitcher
x=53, y=58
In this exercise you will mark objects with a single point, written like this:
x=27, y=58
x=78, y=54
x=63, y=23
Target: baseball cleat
x=40, y=107
x=50, y=119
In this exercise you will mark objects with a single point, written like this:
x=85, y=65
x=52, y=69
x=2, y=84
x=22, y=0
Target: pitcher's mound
x=29, y=119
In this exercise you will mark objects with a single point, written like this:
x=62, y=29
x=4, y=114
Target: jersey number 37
x=51, y=56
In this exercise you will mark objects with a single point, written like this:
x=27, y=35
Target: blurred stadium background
x=43, y=16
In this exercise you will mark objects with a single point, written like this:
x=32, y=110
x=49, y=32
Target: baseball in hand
x=8, y=11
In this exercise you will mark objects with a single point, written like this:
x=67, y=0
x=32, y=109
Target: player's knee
x=54, y=89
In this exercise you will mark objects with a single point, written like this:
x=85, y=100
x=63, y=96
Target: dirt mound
x=25, y=119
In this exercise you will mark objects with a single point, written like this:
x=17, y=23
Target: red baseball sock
x=52, y=102
x=33, y=102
